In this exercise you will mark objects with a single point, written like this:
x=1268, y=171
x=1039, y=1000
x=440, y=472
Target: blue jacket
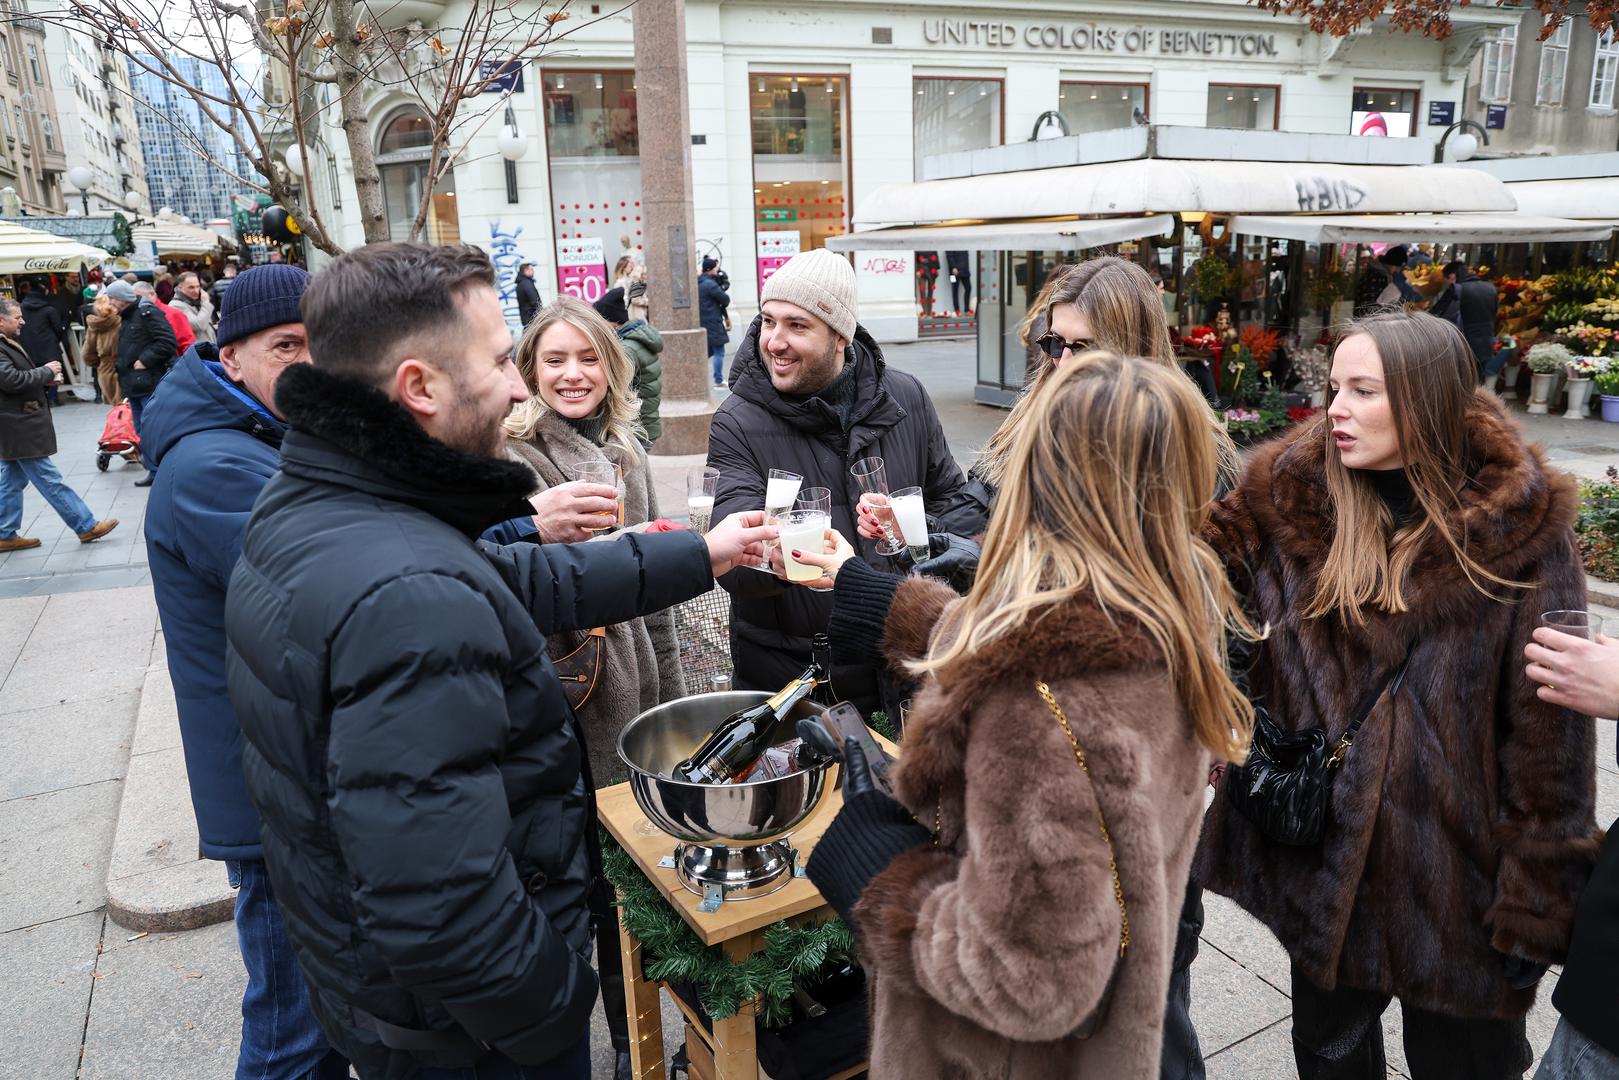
x=712, y=302
x=215, y=447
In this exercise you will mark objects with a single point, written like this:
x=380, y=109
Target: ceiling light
x=598, y=80
x=1124, y=95
x=983, y=91
x=1093, y=95
x=825, y=182
x=950, y=93
x=829, y=86
x=761, y=84
x=1229, y=96
x=919, y=93
x=1256, y=99
x=794, y=87
x=559, y=82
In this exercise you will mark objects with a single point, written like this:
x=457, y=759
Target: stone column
x=664, y=124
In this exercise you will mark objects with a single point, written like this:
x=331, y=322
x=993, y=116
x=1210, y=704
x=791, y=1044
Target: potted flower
x=1545, y=361
x=1507, y=346
x=1607, y=383
x=1580, y=372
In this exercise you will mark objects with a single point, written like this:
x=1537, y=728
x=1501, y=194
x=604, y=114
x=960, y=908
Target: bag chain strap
x=1112, y=861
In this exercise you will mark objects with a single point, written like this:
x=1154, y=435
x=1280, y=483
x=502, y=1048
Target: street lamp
x=1466, y=144
x=294, y=164
x=134, y=200
x=81, y=177
x=512, y=144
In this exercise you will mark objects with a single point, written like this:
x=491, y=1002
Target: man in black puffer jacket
x=810, y=394
x=426, y=820
x=1470, y=302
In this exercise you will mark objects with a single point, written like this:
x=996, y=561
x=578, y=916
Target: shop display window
x=1383, y=112
x=1102, y=106
x=593, y=144
x=1253, y=108
x=800, y=167
x=402, y=161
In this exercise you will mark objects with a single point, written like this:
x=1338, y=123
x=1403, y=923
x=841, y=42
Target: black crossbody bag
x=1285, y=786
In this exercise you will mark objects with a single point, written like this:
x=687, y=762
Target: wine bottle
x=821, y=654
x=736, y=744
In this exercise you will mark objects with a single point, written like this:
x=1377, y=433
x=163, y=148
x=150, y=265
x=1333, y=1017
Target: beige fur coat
x=642, y=668
x=986, y=951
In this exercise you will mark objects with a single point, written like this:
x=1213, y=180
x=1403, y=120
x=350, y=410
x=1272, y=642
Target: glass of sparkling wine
x=781, y=488
x=701, y=485
x=604, y=473
x=814, y=498
x=911, y=517
x=872, y=477
x=803, y=530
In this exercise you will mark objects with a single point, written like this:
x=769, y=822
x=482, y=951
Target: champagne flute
x=911, y=516
x=702, y=484
x=781, y=488
x=872, y=476
x=604, y=473
x=814, y=498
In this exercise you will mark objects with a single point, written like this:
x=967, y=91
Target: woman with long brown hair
x=1056, y=755
x=1403, y=547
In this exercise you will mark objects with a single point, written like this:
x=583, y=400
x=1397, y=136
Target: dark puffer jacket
x=216, y=448
x=144, y=335
x=26, y=430
x=642, y=344
x=1471, y=304
x=756, y=430
x=713, y=302
x=426, y=820
x=43, y=333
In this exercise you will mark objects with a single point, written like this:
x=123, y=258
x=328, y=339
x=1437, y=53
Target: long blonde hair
x=1125, y=312
x=623, y=409
x=1428, y=375
x=1105, y=487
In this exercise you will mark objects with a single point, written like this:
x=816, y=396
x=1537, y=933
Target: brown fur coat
x=987, y=950
x=642, y=668
x=1461, y=821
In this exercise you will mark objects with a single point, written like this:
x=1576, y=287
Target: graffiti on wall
x=503, y=251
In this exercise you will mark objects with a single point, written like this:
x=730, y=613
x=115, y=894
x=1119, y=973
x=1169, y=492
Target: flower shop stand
x=731, y=1051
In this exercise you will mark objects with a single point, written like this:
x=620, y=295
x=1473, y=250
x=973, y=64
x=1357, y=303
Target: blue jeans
x=1572, y=1056
x=43, y=474
x=718, y=357
x=137, y=405
x=573, y=1064
x=280, y=1038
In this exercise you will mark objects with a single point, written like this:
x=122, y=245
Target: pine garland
x=793, y=955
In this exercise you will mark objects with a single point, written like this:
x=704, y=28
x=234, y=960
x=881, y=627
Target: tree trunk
x=356, y=128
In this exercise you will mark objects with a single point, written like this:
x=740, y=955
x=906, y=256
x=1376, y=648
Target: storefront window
x=1383, y=112
x=402, y=161
x=1254, y=108
x=950, y=115
x=799, y=164
x=1095, y=106
x=593, y=143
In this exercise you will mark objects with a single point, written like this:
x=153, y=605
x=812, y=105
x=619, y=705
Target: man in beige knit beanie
x=810, y=396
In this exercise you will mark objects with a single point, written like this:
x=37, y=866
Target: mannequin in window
x=927, y=279
x=961, y=281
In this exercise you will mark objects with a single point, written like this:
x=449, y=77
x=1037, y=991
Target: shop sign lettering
x=1322, y=193
x=1096, y=38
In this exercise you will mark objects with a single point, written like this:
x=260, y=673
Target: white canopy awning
x=1066, y=235
x=1412, y=228
x=1159, y=185
x=29, y=251
x=178, y=238
x=1594, y=197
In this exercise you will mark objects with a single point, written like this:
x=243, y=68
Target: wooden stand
x=729, y=1053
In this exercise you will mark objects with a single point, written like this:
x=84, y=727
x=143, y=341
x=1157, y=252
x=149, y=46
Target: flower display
x=1201, y=337
x=1548, y=358
x=1592, y=340
x=1585, y=367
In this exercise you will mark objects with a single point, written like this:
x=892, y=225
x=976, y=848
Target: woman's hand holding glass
x=835, y=551
x=571, y=512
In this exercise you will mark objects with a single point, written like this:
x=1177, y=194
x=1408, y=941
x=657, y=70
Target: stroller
x=118, y=437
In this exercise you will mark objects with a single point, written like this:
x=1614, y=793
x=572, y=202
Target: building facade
x=97, y=111
x=1557, y=96
x=34, y=142
x=187, y=156
x=796, y=114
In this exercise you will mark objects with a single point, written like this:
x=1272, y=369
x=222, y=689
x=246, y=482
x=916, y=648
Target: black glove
x=1522, y=974
x=869, y=832
x=951, y=558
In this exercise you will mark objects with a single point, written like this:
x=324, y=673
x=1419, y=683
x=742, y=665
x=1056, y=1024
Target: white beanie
x=822, y=283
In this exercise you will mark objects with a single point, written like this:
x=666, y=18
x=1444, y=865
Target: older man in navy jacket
x=213, y=429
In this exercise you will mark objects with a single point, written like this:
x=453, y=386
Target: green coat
x=642, y=343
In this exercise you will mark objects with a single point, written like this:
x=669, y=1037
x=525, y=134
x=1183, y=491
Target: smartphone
x=843, y=721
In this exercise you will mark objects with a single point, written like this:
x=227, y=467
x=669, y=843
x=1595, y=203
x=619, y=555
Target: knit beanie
x=612, y=307
x=122, y=291
x=822, y=283
x=260, y=298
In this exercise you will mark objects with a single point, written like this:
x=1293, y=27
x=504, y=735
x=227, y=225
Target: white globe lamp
x=134, y=200
x=1464, y=146
x=81, y=177
x=511, y=142
x=294, y=163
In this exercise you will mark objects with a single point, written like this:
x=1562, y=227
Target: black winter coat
x=528, y=299
x=1476, y=301
x=426, y=820
x=26, y=430
x=756, y=430
x=43, y=333
x=712, y=304
x=144, y=335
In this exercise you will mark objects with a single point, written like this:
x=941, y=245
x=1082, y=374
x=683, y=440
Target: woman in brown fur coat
x=583, y=408
x=1411, y=516
x=1057, y=753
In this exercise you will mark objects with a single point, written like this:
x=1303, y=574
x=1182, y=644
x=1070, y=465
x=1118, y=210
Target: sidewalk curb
x=1605, y=593
x=156, y=882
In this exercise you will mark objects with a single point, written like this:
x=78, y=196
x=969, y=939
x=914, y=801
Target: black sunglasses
x=1054, y=346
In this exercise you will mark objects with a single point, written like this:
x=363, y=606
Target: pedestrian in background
x=1583, y=676
x=642, y=343
x=1402, y=548
x=216, y=291
x=1382, y=285
x=190, y=301
x=163, y=288
x=28, y=440
x=146, y=350
x=438, y=879
x=528, y=294
x=184, y=336
x=1024, y=928
x=713, y=305
x=44, y=334
x=101, y=347
x=1469, y=301
x=216, y=433
x=812, y=396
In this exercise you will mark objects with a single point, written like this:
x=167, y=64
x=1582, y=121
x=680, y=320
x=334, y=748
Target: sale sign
x=774, y=249
x=582, y=268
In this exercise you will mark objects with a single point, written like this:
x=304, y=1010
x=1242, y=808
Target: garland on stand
x=793, y=955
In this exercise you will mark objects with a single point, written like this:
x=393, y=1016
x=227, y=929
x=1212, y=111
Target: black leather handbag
x=1285, y=786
